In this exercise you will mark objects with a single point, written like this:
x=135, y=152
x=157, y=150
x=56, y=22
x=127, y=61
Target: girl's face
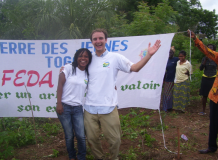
x=83, y=60
x=181, y=57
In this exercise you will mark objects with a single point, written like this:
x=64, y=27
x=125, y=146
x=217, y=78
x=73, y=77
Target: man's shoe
x=205, y=151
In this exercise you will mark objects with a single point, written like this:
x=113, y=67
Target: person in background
x=213, y=96
x=72, y=84
x=169, y=81
x=209, y=67
x=181, y=92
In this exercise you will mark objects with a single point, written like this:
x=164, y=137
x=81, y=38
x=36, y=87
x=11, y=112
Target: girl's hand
x=61, y=69
x=59, y=108
x=187, y=73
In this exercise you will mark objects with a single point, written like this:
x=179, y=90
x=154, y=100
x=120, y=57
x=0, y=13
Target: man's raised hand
x=152, y=50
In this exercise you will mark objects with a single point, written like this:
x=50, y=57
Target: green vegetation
x=139, y=123
x=70, y=19
x=130, y=154
x=158, y=126
x=15, y=133
x=51, y=129
x=55, y=153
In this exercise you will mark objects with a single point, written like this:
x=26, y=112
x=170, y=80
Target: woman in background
x=72, y=84
x=169, y=81
x=181, y=92
x=208, y=77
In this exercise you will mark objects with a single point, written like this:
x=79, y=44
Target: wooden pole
x=178, y=155
x=32, y=115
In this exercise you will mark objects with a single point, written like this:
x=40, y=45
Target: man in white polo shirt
x=101, y=98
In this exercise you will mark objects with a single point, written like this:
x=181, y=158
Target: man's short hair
x=214, y=47
x=99, y=30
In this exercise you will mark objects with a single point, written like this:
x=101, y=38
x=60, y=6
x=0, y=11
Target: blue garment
x=72, y=122
x=104, y=54
x=99, y=109
x=171, y=69
x=168, y=96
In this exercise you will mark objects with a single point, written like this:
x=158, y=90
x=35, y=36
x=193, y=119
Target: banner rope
x=164, y=137
x=159, y=109
x=181, y=32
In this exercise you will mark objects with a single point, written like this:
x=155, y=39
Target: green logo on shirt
x=86, y=81
x=106, y=64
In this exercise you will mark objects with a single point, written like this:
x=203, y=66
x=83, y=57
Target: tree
x=73, y=18
x=208, y=22
x=192, y=16
x=161, y=21
x=54, y=19
x=131, y=6
x=188, y=16
x=18, y=19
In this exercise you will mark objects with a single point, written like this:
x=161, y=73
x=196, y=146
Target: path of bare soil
x=194, y=126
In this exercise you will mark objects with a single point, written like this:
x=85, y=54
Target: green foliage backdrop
x=75, y=19
x=71, y=19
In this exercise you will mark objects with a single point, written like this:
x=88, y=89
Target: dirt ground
x=194, y=126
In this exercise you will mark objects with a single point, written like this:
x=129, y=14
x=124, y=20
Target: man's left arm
x=151, y=51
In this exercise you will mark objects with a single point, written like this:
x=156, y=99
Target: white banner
x=36, y=64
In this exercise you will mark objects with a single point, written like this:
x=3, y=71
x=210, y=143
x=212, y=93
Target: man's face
x=99, y=41
x=171, y=53
x=210, y=46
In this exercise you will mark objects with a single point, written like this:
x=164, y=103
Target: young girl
x=70, y=93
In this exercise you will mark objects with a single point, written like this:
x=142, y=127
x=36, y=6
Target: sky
x=210, y=5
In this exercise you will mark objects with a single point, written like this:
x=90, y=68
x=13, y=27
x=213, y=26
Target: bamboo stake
x=32, y=115
x=178, y=154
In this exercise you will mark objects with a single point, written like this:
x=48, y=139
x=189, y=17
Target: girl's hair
x=75, y=64
x=214, y=47
x=183, y=53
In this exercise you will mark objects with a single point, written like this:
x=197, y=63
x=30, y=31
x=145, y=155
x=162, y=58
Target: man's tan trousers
x=110, y=125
